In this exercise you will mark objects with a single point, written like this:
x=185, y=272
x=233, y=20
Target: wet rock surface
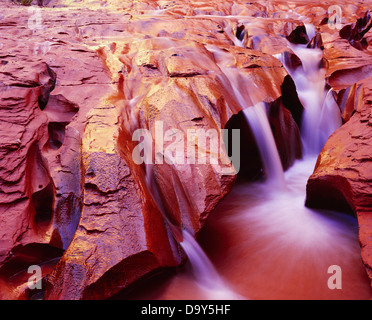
x=77, y=78
x=341, y=179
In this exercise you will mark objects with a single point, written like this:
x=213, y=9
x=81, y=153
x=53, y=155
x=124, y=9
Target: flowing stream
x=321, y=113
x=206, y=276
x=262, y=241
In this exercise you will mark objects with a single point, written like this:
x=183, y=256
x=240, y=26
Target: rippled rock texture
x=79, y=77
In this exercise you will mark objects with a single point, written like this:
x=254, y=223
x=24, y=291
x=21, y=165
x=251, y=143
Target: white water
x=259, y=123
x=206, y=276
x=277, y=248
x=286, y=232
x=321, y=115
x=266, y=244
x=256, y=115
x=204, y=272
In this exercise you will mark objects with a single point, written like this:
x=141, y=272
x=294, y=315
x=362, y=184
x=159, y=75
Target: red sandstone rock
x=183, y=99
x=355, y=33
x=342, y=175
x=340, y=179
x=73, y=92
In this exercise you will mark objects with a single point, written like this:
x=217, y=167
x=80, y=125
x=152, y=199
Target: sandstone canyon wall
x=77, y=80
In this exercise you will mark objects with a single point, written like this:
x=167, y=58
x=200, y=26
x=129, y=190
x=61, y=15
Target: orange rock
x=75, y=91
x=342, y=174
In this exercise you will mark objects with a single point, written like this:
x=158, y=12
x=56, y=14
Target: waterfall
x=259, y=123
x=255, y=113
x=274, y=234
x=321, y=115
x=206, y=276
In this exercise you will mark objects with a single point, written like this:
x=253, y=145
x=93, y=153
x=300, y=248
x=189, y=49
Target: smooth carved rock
x=341, y=179
x=172, y=82
x=74, y=91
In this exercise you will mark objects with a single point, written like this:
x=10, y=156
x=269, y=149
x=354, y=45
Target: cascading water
x=260, y=126
x=255, y=113
x=321, y=115
x=204, y=272
x=280, y=192
x=206, y=276
x=285, y=249
x=277, y=248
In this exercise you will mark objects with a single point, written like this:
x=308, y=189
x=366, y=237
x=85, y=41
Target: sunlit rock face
x=78, y=78
x=343, y=173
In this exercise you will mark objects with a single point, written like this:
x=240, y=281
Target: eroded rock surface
x=342, y=176
x=78, y=78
